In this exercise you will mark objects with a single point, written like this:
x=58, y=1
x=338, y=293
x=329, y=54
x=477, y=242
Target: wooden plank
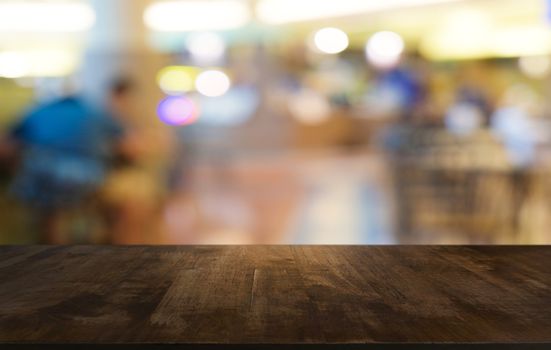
x=273, y=296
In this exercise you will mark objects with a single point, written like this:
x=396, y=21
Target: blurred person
x=64, y=147
x=132, y=194
x=395, y=92
x=514, y=123
x=467, y=114
x=472, y=95
x=402, y=92
x=463, y=119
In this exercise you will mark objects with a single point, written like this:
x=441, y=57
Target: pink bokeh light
x=177, y=110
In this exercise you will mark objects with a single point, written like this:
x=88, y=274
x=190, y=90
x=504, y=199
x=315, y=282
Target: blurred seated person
x=64, y=149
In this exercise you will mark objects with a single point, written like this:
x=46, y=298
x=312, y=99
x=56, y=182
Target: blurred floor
x=321, y=198
x=346, y=201
x=329, y=197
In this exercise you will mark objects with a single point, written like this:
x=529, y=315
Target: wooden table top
x=358, y=296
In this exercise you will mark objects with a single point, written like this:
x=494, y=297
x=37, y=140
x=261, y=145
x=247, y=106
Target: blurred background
x=275, y=121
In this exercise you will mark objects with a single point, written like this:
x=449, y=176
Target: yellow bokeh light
x=522, y=41
x=472, y=34
x=174, y=80
x=462, y=35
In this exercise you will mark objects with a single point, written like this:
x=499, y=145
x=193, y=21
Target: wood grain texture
x=275, y=295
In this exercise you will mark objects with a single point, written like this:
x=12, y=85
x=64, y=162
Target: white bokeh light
x=45, y=16
x=383, y=49
x=331, y=40
x=535, y=66
x=212, y=83
x=37, y=63
x=206, y=47
x=191, y=15
x=14, y=65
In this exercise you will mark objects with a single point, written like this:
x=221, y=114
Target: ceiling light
x=287, y=11
x=331, y=40
x=40, y=16
x=181, y=16
x=384, y=48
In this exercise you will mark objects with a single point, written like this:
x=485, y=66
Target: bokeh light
x=212, y=83
x=177, y=110
x=463, y=34
x=292, y=11
x=535, y=66
x=45, y=16
x=175, y=80
x=331, y=40
x=13, y=65
x=181, y=16
x=206, y=48
x=309, y=107
x=37, y=63
x=383, y=49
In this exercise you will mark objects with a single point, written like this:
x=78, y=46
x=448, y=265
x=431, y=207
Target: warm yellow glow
x=180, y=16
x=53, y=63
x=41, y=16
x=522, y=41
x=175, y=80
x=465, y=34
x=331, y=40
x=287, y=11
x=212, y=83
x=471, y=34
x=47, y=63
x=496, y=42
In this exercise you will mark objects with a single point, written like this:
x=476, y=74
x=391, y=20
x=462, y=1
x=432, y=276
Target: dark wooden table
x=267, y=297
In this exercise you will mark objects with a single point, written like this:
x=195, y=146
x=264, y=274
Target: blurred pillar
x=118, y=47
x=119, y=24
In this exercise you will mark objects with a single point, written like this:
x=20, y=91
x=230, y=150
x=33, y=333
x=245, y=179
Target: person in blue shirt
x=65, y=148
